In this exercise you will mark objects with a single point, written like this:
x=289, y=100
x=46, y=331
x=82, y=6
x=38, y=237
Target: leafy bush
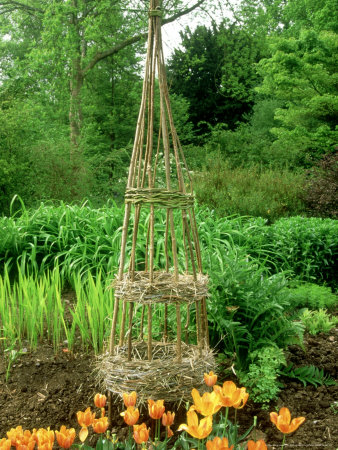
x=247, y=307
x=308, y=247
x=261, y=378
x=318, y=321
x=313, y=296
x=250, y=191
x=322, y=189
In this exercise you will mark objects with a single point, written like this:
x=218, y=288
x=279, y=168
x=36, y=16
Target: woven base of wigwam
x=161, y=378
x=163, y=288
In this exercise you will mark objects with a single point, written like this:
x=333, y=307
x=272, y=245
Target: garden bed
x=47, y=390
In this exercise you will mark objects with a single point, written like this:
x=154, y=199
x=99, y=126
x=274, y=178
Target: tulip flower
x=230, y=395
x=5, y=444
x=100, y=400
x=65, y=437
x=219, y=444
x=197, y=430
x=210, y=379
x=45, y=439
x=141, y=433
x=100, y=425
x=85, y=418
x=83, y=434
x=168, y=419
x=242, y=399
x=129, y=399
x=259, y=445
x=156, y=409
x=131, y=415
x=208, y=404
x=24, y=439
x=283, y=421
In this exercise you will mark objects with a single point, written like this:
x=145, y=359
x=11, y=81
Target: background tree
x=215, y=72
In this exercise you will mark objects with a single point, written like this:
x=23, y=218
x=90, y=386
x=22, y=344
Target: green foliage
x=301, y=73
x=248, y=306
x=215, y=72
x=318, y=321
x=308, y=247
x=250, y=191
x=261, y=377
x=32, y=308
x=308, y=375
x=312, y=296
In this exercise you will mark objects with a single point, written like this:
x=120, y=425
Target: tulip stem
x=225, y=420
x=129, y=435
x=283, y=443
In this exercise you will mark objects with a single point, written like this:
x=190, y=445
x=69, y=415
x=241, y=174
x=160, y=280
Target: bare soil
x=46, y=390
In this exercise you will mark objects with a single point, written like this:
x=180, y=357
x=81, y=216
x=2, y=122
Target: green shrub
x=308, y=247
x=261, y=377
x=249, y=191
x=318, y=321
x=247, y=307
x=312, y=296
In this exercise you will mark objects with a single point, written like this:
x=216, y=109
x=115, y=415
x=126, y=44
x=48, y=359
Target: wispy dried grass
x=164, y=377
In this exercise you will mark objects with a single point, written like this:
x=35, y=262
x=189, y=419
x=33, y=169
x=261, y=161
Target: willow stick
x=186, y=327
x=165, y=331
x=206, y=327
x=133, y=248
x=142, y=322
x=166, y=242
x=123, y=322
x=113, y=328
x=131, y=308
x=198, y=328
x=149, y=334
x=179, y=334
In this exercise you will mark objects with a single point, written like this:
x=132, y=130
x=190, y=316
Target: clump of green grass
x=33, y=309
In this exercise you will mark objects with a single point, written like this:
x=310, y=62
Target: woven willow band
x=159, y=197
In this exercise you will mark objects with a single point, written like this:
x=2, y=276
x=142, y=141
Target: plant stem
x=283, y=443
x=225, y=420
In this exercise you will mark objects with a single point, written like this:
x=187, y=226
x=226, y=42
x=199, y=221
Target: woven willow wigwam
x=159, y=336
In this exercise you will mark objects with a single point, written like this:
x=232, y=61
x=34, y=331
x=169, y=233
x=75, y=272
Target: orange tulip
x=210, y=379
x=141, y=433
x=197, y=430
x=5, y=444
x=85, y=418
x=168, y=419
x=231, y=395
x=283, y=421
x=65, y=437
x=169, y=432
x=129, y=399
x=219, y=444
x=208, y=404
x=100, y=400
x=45, y=439
x=100, y=425
x=24, y=439
x=242, y=399
x=259, y=445
x=131, y=416
x=83, y=434
x=156, y=409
